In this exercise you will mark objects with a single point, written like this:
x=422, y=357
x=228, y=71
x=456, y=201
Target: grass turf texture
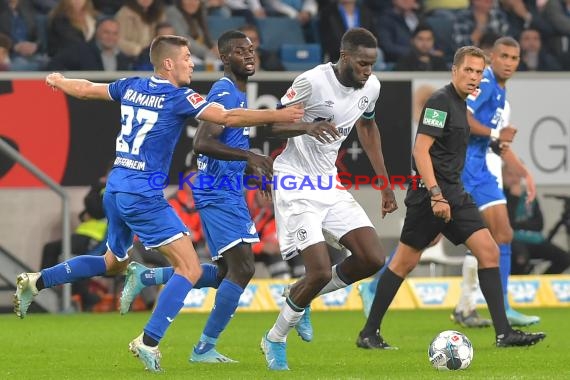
x=94, y=346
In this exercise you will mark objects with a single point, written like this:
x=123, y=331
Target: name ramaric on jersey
x=144, y=100
x=130, y=164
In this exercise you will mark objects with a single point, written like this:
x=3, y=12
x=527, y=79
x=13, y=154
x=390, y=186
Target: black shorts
x=421, y=226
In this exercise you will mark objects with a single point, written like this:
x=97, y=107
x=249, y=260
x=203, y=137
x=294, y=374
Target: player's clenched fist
x=53, y=78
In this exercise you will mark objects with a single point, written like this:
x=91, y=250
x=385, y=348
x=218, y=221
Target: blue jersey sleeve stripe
x=203, y=108
x=369, y=115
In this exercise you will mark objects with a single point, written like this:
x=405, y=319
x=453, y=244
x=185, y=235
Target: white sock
x=334, y=284
x=469, y=286
x=286, y=320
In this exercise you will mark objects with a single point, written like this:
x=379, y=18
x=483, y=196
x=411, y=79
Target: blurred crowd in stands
x=414, y=35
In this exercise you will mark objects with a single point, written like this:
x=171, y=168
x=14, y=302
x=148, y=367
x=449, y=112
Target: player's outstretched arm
x=206, y=141
x=369, y=137
x=322, y=130
x=79, y=88
x=242, y=117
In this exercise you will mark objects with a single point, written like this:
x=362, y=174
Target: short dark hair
x=224, y=42
x=161, y=45
x=104, y=19
x=355, y=37
x=464, y=51
x=422, y=27
x=488, y=39
x=507, y=41
x=531, y=29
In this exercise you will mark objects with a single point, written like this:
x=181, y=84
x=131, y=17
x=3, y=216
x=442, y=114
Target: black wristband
x=434, y=191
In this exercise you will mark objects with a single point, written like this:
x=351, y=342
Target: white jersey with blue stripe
x=153, y=112
x=487, y=105
x=220, y=180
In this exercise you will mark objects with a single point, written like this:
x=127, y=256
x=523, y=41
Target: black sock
x=148, y=341
x=40, y=283
x=490, y=282
x=388, y=286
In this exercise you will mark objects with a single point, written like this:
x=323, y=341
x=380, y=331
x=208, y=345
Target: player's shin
x=388, y=286
x=168, y=305
x=469, y=285
x=289, y=316
x=226, y=303
x=338, y=281
x=490, y=282
x=72, y=270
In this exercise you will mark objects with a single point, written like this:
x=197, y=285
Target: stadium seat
x=217, y=25
x=435, y=255
x=300, y=57
x=276, y=31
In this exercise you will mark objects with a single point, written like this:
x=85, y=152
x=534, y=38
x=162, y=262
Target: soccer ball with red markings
x=450, y=350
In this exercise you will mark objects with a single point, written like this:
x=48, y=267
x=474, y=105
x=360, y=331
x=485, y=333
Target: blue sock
x=505, y=270
x=157, y=276
x=373, y=285
x=227, y=298
x=168, y=305
x=209, y=278
x=160, y=276
x=74, y=269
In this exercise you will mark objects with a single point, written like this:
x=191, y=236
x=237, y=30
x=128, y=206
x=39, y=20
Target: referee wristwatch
x=434, y=191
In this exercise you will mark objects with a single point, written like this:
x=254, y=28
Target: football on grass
x=450, y=350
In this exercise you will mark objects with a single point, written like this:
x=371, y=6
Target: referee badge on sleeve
x=434, y=118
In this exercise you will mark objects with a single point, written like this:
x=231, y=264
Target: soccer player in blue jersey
x=485, y=114
x=153, y=111
x=228, y=227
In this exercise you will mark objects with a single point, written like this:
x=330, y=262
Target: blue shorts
x=226, y=225
x=152, y=219
x=485, y=191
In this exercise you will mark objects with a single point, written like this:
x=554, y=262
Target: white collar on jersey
x=158, y=80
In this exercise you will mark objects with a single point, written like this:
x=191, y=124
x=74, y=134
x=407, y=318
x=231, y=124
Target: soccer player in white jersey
x=344, y=93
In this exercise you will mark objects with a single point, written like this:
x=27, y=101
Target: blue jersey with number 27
x=153, y=112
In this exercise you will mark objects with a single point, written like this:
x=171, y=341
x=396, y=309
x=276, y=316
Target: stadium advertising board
x=415, y=293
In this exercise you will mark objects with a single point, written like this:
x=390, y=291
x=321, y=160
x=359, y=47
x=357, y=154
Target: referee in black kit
x=441, y=205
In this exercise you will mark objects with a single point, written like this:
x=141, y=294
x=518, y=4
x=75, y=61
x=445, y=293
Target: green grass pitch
x=94, y=346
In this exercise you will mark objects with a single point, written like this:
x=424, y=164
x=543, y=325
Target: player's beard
x=355, y=83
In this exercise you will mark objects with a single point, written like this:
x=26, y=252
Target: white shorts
x=301, y=215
